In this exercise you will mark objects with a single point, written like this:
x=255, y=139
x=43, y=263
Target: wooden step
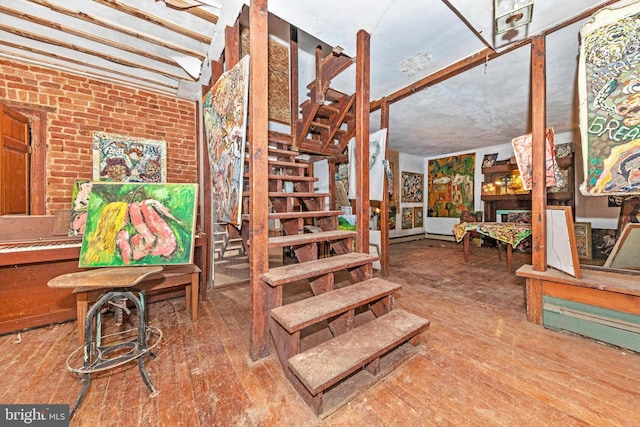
x=300, y=314
x=279, y=276
x=306, y=238
x=280, y=138
x=303, y=214
x=297, y=194
x=326, y=364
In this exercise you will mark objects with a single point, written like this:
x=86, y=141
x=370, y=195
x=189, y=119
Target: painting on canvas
x=608, y=72
x=139, y=224
x=118, y=158
x=451, y=185
x=522, y=147
x=225, y=122
x=79, y=205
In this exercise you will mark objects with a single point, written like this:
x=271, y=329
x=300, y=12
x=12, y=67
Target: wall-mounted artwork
x=225, y=122
x=625, y=252
x=609, y=69
x=451, y=185
x=418, y=220
x=407, y=218
x=489, y=160
x=392, y=217
x=79, y=205
x=139, y=224
x=118, y=158
x=583, y=239
x=522, y=147
x=602, y=242
x=394, y=189
x=412, y=187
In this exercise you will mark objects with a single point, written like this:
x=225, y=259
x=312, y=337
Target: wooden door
x=15, y=163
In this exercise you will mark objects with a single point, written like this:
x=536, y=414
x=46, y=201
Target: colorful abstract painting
x=407, y=218
x=451, y=185
x=609, y=92
x=225, y=123
x=139, y=224
x=412, y=187
x=79, y=205
x=118, y=158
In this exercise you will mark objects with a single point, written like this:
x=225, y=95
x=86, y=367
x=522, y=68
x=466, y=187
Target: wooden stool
x=96, y=356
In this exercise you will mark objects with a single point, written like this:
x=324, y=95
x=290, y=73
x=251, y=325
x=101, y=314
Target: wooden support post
x=363, y=76
x=293, y=79
x=232, y=45
x=258, y=195
x=538, y=125
x=384, y=205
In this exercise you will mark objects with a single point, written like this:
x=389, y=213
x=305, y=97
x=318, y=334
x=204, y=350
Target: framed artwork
x=79, y=205
x=522, y=147
x=418, y=217
x=564, y=150
x=614, y=201
x=132, y=224
x=407, y=218
x=118, y=158
x=562, y=253
x=392, y=217
x=225, y=124
x=583, y=239
x=489, y=160
x=602, y=242
x=625, y=252
x=608, y=100
x=451, y=185
x=629, y=212
x=562, y=182
x=513, y=215
x=412, y=187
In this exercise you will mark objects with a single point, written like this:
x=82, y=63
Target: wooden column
x=258, y=182
x=538, y=124
x=293, y=79
x=363, y=76
x=232, y=45
x=384, y=205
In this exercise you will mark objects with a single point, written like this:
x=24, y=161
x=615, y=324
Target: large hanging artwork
x=412, y=187
x=377, y=147
x=609, y=91
x=139, y=224
x=451, y=185
x=120, y=158
x=225, y=123
x=522, y=148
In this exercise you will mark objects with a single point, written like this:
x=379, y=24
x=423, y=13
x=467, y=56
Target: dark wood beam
x=363, y=77
x=384, y=205
x=538, y=123
x=294, y=100
x=258, y=183
x=232, y=45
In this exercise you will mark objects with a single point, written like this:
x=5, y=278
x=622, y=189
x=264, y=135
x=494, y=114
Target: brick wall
x=76, y=106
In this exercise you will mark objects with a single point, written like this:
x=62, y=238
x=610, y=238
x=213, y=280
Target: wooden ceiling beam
x=476, y=59
x=139, y=13
x=134, y=33
x=193, y=9
x=89, y=36
x=76, y=48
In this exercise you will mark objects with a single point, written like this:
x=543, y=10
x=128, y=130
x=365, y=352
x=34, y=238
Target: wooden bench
x=321, y=367
x=340, y=304
x=174, y=276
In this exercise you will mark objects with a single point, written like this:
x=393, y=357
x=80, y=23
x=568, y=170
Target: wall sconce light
x=510, y=14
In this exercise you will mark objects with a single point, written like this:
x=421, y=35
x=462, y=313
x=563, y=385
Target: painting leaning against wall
x=225, y=117
x=139, y=224
x=451, y=185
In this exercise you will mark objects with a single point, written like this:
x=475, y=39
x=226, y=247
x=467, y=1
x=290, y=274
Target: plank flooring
x=479, y=364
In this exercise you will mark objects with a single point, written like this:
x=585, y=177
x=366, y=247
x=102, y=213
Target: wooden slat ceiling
x=148, y=43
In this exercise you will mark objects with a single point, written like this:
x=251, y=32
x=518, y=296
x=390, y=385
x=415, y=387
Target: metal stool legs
x=98, y=357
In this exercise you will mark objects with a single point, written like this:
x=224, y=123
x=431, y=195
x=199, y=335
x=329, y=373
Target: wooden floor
x=480, y=363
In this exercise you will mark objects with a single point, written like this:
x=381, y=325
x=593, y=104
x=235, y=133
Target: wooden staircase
x=346, y=335
x=327, y=121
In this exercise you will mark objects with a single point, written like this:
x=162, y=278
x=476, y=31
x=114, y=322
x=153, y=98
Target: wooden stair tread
x=306, y=238
x=304, y=214
x=300, y=314
x=324, y=365
x=288, y=177
x=288, y=273
x=280, y=138
x=297, y=194
x=289, y=164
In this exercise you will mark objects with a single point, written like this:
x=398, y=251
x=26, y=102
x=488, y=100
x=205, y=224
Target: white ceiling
x=143, y=43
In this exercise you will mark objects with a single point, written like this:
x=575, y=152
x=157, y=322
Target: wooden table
x=511, y=233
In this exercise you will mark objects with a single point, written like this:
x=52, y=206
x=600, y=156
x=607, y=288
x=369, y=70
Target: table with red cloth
x=511, y=233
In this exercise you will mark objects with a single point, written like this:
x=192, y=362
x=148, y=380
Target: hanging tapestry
x=522, y=147
x=225, y=123
x=120, y=158
x=139, y=224
x=451, y=186
x=377, y=146
x=609, y=91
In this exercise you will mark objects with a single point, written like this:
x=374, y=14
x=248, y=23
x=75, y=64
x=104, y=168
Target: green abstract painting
x=139, y=224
